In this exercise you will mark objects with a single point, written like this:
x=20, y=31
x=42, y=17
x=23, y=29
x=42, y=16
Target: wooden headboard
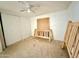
x=43, y=23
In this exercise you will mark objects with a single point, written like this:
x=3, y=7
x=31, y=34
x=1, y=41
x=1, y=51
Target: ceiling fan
x=28, y=7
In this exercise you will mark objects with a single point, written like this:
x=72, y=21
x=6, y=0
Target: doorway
x=2, y=36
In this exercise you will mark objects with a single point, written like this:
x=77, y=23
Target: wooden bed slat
x=71, y=39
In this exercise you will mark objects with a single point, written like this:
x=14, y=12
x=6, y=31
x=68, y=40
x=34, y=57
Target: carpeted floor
x=35, y=48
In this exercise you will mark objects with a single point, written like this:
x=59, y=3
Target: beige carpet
x=35, y=48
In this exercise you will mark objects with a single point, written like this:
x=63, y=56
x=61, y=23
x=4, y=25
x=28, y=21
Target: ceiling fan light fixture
x=28, y=10
x=28, y=7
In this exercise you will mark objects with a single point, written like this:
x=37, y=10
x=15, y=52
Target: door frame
x=3, y=42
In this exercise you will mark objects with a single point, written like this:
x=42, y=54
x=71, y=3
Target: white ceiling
x=45, y=7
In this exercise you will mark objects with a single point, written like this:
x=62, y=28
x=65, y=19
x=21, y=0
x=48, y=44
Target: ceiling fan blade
x=36, y=5
x=22, y=10
x=22, y=2
x=33, y=11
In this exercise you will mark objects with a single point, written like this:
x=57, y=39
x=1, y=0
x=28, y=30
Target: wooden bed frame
x=71, y=39
x=43, y=29
x=47, y=34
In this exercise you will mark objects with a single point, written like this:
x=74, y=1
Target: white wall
x=58, y=23
x=58, y=20
x=15, y=28
x=73, y=11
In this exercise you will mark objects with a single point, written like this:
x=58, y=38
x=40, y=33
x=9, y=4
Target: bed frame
x=43, y=29
x=46, y=34
x=71, y=39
